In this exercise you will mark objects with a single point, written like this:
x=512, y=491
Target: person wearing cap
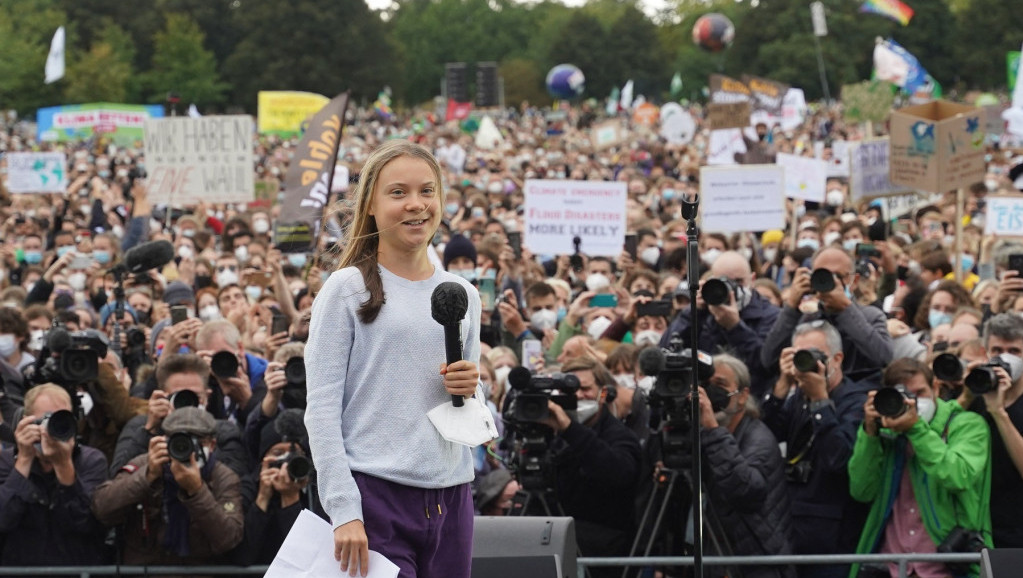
x=46, y=488
x=175, y=511
x=495, y=493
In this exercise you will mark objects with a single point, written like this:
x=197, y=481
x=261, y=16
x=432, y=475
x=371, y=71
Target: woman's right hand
x=351, y=548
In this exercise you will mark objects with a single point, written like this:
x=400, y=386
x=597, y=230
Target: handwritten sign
x=742, y=198
x=728, y=115
x=1004, y=216
x=558, y=211
x=193, y=159
x=805, y=178
x=36, y=172
x=868, y=168
x=607, y=134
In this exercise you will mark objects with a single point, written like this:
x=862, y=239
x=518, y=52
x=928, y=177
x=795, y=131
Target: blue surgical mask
x=936, y=318
x=967, y=261
x=61, y=251
x=451, y=208
x=33, y=257
x=467, y=274
x=296, y=259
x=813, y=244
x=668, y=194
x=254, y=292
x=850, y=244
x=101, y=257
x=562, y=312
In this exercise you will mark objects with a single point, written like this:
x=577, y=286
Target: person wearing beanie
x=460, y=258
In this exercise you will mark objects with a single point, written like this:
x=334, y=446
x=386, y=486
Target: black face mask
x=719, y=397
x=902, y=272
x=143, y=316
x=203, y=281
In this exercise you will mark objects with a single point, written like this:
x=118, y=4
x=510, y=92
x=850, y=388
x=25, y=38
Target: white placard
x=1004, y=216
x=838, y=164
x=200, y=159
x=793, y=109
x=868, y=171
x=744, y=198
x=558, y=211
x=723, y=146
x=805, y=177
x=677, y=126
x=36, y=172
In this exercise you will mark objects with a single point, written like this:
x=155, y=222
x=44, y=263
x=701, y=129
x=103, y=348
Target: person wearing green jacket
x=924, y=466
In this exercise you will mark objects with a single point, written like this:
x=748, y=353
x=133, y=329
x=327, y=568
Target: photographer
x=740, y=323
x=179, y=504
x=863, y=328
x=597, y=464
x=285, y=389
x=744, y=473
x=923, y=465
x=818, y=423
x=244, y=388
x=46, y=486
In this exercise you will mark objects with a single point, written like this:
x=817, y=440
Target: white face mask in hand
x=598, y=326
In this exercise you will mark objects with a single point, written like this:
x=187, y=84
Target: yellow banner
x=283, y=112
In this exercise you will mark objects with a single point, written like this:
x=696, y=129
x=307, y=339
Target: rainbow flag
x=893, y=9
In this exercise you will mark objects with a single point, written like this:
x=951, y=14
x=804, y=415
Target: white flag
x=55, y=61
x=626, y=100
x=193, y=112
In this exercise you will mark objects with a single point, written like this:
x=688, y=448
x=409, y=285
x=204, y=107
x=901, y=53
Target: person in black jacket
x=597, y=466
x=743, y=471
x=818, y=423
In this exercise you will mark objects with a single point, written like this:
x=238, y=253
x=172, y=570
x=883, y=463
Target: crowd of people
x=827, y=425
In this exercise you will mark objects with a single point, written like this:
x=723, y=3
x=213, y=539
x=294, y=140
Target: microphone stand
x=690, y=210
x=115, y=342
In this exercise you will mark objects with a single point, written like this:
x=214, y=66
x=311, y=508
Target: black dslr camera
x=298, y=467
x=806, y=360
x=181, y=446
x=891, y=401
x=983, y=379
x=822, y=281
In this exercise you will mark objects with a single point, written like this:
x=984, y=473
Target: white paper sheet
x=308, y=552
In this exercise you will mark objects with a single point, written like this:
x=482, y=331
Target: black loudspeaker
x=1001, y=562
x=487, y=89
x=456, y=81
x=523, y=546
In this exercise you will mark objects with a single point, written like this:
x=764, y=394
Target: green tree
x=26, y=28
x=584, y=43
x=632, y=55
x=523, y=81
x=181, y=65
x=99, y=75
x=988, y=29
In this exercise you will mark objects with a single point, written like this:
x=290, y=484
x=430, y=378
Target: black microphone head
x=518, y=378
x=58, y=340
x=449, y=303
x=651, y=361
x=289, y=423
x=148, y=256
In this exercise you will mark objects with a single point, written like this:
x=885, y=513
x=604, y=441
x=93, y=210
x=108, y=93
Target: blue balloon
x=565, y=81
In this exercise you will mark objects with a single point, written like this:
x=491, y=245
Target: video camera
x=532, y=392
x=69, y=358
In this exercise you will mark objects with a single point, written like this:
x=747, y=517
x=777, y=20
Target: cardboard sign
x=1004, y=216
x=805, y=178
x=558, y=211
x=728, y=115
x=607, y=134
x=868, y=168
x=200, y=159
x=283, y=112
x=867, y=101
x=746, y=198
x=36, y=172
x=937, y=147
x=768, y=95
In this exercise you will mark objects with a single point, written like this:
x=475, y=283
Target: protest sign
x=746, y=198
x=558, y=211
x=283, y=112
x=122, y=123
x=728, y=115
x=867, y=101
x=805, y=178
x=200, y=159
x=36, y=172
x=1004, y=216
x=837, y=158
x=868, y=171
x=607, y=134
x=724, y=89
x=677, y=126
x=793, y=109
x=768, y=95
x=937, y=147
x=724, y=145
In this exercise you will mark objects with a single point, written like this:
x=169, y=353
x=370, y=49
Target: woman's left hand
x=460, y=378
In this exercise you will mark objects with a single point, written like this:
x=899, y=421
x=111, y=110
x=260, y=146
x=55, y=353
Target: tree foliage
x=181, y=65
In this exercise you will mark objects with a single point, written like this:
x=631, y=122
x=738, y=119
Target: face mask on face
x=36, y=339
x=451, y=208
x=33, y=257
x=770, y=254
x=202, y=281
x=813, y=244
x=597, y=282
x=77, y=281
x=746, y=252
x=101, y=257
x=297, y=260
x=242, y=254
x=925, y=408
x=261, y=226
x=7, y=345
x=626, y=380
x=598, y=326
x=209, y=313
x=562, y=312
x=710, y=255
x=185, y=252
x=936, y=318
x=991, y=185
x=544, y=319
x=501, y=375
x=61, y=251
x=850, y=244
x=253, y=292
x=648, y=337
x=226, y=277
x=832, y=237
x=650, y=256
x=467, y=274
x=586, y=409
x=118, y=231
x=835, y=198
x=967, y=262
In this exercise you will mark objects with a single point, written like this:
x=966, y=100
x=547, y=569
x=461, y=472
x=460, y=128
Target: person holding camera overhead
x=864, y=329
x=923, y=465
x=46, y=487
x=818, y=423
x=178, y=503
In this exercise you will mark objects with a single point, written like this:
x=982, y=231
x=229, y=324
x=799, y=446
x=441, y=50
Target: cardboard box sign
x=937, y=147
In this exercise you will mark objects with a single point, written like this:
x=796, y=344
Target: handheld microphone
x=651, y=362
x=448, y=305
x=147, y=256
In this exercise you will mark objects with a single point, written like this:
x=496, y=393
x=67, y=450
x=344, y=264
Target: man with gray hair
x=816, y=410
x=245, y=388
x=745, y=473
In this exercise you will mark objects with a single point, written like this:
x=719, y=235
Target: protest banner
x=837, y=158
x=725, y=89
x=200, y=159
x=677, y=126
x=728, y=115
x=1004, y=216
x=122, y=123
x=283, y=112
x=937, y=147
x=793, y=109
x=805, y=178
x=308, y=182
x=724, y=145
x=867, y=101
x=556, y=212
x=868, y=171
x=36, y=172
x=607, y=134
x=746, y=198
x=768, y=95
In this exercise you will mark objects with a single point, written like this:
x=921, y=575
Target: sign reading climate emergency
x=557, y=212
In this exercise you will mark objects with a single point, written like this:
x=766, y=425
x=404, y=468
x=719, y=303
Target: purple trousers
x=427, y=533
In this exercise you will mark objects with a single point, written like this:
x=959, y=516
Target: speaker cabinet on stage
x=523, y=546
x=1001, y=562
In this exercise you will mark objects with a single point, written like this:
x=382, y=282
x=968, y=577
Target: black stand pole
x=115, y=342
x=690, y=209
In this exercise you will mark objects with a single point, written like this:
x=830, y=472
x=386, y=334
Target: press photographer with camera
x=863, y=328
x=46, y=486
x=923, y=465
x=818, y=422
x=744, y=472
x=239, y=373
x=178, y=503
x=285, y=389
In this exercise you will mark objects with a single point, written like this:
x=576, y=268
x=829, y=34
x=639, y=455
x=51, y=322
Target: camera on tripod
x=70, y=358
x=532, y=392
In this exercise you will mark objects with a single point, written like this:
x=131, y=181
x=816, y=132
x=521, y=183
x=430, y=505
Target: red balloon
x=713, y=32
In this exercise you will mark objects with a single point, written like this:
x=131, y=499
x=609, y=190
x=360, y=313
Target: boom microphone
x=448, y=305
x=651, y=362
x=147, y=256
x=518, y=378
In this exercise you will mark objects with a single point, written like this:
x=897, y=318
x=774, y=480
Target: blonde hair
x=362, y=236
x=49, y=389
